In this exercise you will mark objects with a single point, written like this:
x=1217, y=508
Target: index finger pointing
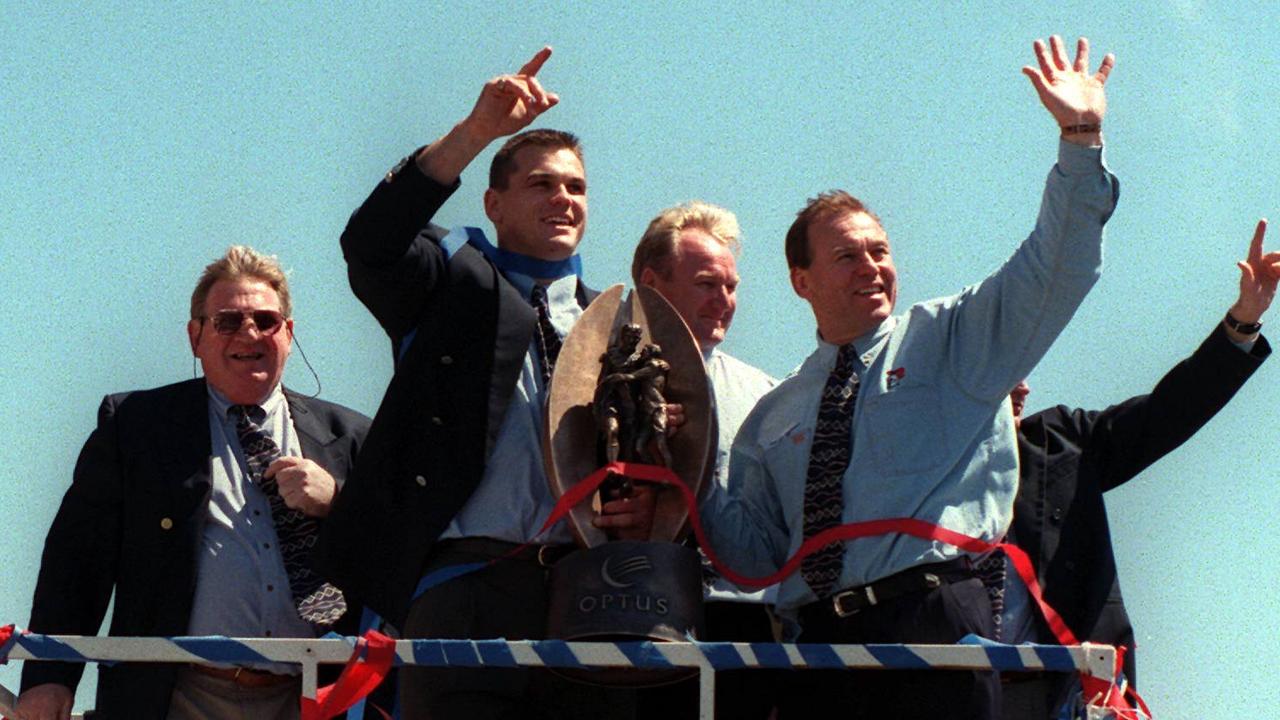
x=535, y=63
x=1255, y=247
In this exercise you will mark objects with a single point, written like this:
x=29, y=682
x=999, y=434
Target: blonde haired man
x=688, y=254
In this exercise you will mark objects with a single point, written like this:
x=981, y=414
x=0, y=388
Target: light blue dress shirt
x=736, y=387
x=242, y=589
x=933, y=435
x=514, y=497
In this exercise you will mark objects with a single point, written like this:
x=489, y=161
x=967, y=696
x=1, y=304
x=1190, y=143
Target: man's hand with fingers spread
x=1076, y=99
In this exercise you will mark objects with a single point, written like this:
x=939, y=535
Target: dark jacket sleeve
x=394, y=260
x=81, y=552
x=1126, y=438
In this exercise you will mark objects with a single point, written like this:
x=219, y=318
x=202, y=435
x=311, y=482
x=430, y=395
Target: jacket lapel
x=314, y=435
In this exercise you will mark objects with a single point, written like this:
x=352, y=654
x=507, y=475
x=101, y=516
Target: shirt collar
x=866, y=344
x=270, y=404
x=562, y=291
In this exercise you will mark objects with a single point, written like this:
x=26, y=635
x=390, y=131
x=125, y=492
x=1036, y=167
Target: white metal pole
x=706, y=692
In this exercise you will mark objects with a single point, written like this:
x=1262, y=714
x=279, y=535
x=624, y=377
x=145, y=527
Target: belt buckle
x=543, y=553
x=862, y=597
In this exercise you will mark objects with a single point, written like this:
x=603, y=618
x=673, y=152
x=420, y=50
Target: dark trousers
x=505, y=600
x=740, y=694
x=939, y=616
x=1033, y=696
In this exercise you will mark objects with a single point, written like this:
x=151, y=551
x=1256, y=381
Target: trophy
x=617, y=370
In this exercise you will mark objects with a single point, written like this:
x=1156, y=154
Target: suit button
x=1057, y=515
x=446, y=360
x=435, y=420
x=166, y=524
x=422, y=482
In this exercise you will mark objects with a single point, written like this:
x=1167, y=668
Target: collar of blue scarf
x=508, y=261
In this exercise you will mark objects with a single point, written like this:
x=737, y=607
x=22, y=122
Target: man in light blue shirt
x=688, y=254
x=928, y=434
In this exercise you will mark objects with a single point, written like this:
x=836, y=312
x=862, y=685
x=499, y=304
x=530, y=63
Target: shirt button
x=166, y=524
x=446, y=360
x=266, y=546
x=267, y=633
x=422, y=482
x=271, y=588
x=435, y=420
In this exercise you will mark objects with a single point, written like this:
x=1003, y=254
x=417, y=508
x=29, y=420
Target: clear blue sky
x=137, y=144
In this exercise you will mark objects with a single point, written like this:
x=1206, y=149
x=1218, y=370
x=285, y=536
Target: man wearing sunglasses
x=197, y=503
x=453, y=470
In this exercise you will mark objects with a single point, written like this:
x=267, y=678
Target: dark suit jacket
x=1069, y=458
x=132, y=522
x=460, y=331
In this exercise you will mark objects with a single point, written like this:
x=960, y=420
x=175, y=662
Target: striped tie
x=548, y=338
x=824, y=482
x=318, y=602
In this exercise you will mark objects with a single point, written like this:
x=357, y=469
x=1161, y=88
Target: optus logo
x=614, y=571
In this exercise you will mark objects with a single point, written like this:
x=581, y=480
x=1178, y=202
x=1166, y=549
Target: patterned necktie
x=548, y=338
x=824, y=482
x=318, y=602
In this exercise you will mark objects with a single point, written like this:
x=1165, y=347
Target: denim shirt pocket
x=785, y=452
x=904, y=431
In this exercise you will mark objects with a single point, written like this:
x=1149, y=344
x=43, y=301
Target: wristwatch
x=1240, y=327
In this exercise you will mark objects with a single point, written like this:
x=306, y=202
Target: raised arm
x=507, y=104
x=1128, y=437
x=390, y=243
x=1000, y=328
x=1076, y=99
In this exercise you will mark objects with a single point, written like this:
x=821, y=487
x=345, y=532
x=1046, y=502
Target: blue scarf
x=508, y=261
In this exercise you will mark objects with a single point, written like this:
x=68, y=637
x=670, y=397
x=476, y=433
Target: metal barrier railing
x=1092, y=660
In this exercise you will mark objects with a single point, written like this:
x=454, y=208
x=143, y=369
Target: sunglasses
x=229, y=322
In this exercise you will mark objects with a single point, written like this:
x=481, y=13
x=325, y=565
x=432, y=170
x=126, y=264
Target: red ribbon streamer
x=1113, y=697
x=359, y=678
x=6, y=632
x=849, y=531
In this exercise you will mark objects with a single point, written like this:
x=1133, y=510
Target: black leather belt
x=245, y=677
x=920, y=578
x=544, y=555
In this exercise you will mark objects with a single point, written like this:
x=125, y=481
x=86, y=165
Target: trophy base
x=627, y=591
